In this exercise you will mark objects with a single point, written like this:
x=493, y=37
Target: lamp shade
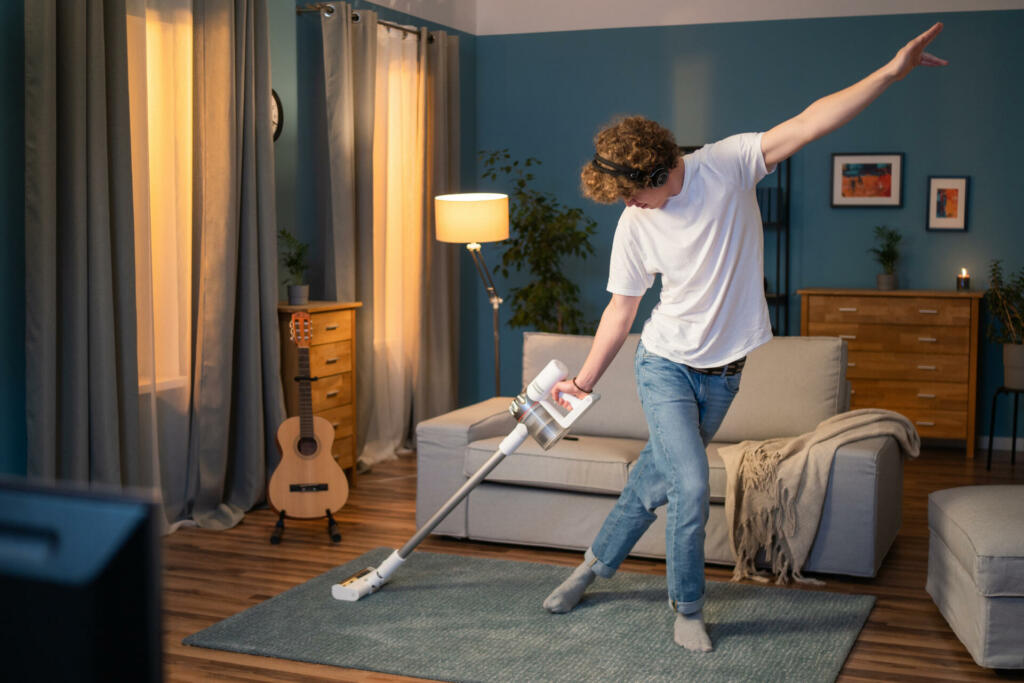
x=472, y=217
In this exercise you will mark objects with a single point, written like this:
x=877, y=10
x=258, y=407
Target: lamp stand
x=481, y=268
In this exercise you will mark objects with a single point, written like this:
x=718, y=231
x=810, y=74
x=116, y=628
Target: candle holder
x=963, y=281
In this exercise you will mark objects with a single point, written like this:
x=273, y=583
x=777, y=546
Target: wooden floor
x=211, y=575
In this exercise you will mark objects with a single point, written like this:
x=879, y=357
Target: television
x=79, y=584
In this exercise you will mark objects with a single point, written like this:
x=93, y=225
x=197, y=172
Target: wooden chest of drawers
x=332, y=360
x=913, y=352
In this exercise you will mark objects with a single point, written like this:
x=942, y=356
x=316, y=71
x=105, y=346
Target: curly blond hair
x=633, y=141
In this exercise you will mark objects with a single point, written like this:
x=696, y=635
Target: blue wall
x=12, y=220
x=545, y=95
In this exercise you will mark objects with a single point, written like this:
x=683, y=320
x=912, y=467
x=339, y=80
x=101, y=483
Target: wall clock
x=276, y=114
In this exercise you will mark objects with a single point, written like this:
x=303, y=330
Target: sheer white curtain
x=398, y=223
x=160, y=37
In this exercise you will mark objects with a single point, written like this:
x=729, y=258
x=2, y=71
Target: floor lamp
x=471, y=219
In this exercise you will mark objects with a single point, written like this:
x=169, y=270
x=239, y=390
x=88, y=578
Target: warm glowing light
x=963, y=272
x=473, y=217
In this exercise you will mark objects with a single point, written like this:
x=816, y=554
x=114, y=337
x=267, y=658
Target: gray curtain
x=81, y=366
x=82, y=405
x=237, y=399
x=337, y=67
x=436, y=385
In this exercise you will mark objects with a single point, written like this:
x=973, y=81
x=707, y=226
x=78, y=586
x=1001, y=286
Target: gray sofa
x=559, y=498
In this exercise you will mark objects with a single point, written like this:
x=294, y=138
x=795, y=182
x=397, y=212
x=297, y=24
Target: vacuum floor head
x=366, y=581
x=358, y=585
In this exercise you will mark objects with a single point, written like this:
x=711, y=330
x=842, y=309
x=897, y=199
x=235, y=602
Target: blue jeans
x=684, y=410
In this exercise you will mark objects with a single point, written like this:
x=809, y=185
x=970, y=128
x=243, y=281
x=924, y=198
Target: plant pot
x=298, y=295
x=1013, y=366
x=887, y=281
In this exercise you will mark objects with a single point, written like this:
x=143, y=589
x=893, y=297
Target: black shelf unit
x=773, y=199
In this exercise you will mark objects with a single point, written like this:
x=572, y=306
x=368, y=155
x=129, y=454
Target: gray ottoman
x=976, y=569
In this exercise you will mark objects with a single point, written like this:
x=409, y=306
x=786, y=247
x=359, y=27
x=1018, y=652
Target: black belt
x=733, y=368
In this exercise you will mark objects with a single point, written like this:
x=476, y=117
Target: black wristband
x=581, y=388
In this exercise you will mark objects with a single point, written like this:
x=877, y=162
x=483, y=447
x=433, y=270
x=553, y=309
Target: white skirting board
x=1002, y=443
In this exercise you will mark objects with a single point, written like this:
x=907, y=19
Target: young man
x=694, y=220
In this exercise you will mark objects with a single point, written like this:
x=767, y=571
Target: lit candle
x=963, y=281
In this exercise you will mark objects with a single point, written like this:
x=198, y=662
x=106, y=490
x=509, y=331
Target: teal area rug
x=456, y=618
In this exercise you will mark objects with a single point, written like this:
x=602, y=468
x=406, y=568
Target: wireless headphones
x=657, y=176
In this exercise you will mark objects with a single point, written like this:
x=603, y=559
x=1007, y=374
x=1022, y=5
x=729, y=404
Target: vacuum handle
x=579, y=407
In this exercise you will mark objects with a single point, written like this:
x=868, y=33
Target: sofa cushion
x=779, y=395
x=789, y=385
x=594, y=464
x=983, y=527
x=716, y=473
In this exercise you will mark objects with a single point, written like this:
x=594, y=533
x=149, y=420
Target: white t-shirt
x=708, y=246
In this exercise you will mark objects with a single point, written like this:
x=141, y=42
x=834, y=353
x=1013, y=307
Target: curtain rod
x=328, y=10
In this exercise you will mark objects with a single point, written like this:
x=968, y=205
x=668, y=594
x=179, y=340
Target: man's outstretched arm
x=835, y=110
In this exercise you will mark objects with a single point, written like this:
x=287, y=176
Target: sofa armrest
x=440, y=451
x=862, y=511
x=464, y=426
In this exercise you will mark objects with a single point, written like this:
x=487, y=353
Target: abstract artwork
x=947, y=203
x=867, y=180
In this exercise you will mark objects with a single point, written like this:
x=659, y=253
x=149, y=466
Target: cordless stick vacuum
x=537, y=416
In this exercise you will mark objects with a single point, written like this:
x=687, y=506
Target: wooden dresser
x=913, y=352
x=332, y=359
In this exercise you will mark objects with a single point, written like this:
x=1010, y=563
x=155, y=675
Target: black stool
x=992, y=425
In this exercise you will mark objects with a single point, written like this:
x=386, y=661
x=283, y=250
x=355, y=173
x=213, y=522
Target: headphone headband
x=656, y=177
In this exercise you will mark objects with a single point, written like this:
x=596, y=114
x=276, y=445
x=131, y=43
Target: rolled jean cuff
x=687, y=607
x=597, y=566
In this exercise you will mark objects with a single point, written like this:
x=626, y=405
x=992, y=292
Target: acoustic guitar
x=307, y=483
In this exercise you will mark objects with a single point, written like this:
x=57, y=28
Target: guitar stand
x=275, y=537
x=332, y=529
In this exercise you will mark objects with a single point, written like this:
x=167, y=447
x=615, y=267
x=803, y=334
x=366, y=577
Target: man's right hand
x=566, y=386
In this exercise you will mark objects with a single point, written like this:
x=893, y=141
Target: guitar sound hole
x=307, y=446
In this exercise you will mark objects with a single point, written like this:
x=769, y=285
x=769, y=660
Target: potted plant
x=542, y=235
x=1005, y=300
x=887, y=253
x=293, y=257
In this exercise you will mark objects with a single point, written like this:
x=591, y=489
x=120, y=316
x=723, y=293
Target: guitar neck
x=305, y=396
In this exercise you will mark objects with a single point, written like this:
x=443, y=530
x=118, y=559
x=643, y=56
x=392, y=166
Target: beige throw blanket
x=775, y=489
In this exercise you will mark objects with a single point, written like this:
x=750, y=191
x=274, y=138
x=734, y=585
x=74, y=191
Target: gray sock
x=565, y=597
x=689, y=632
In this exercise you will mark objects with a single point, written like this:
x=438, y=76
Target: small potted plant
x=887, y=253
x=293, y=257
x=1005, y=300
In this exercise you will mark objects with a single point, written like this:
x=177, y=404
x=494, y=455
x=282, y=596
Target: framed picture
x=947, y=202
x=867, y=180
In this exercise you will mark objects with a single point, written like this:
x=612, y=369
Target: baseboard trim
x=1000, y=443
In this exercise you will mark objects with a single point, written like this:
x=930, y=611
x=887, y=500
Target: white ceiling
x=493, y=17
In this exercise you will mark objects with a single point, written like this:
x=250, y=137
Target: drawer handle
x=928, y=340
x=848, y=309
x=926, y=367
x=926, y=395
x=331, y=327
x=332, y=394
x=848, y=336
x=851, y=365
x=335, y=424
x=852, y=392
x=925, y=423
x=331, y=361
x=928, y=311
